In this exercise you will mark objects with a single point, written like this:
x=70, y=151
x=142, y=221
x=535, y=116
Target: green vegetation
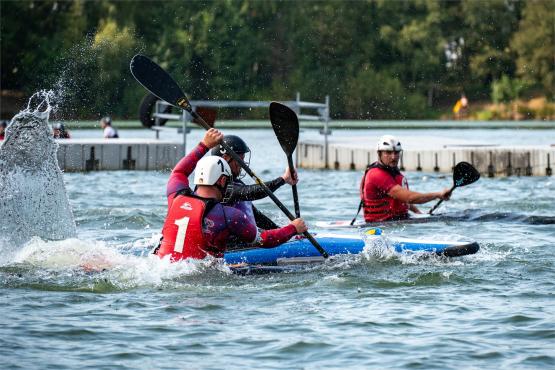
x=376, y=59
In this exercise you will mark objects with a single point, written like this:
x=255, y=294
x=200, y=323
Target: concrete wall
x=490, y=161
x=113, y=155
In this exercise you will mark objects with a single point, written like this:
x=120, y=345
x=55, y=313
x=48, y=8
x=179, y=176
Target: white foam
x=125, y=271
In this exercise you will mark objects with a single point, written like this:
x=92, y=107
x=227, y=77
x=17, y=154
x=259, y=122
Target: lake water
x=494, y=309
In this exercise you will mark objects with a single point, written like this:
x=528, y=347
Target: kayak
x=474, y=215
x=346, y=224
x=301, y=251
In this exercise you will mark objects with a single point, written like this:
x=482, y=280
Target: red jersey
x=182, y=231
x=377, y=204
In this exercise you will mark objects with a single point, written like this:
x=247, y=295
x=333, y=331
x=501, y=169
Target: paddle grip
x=260, y=182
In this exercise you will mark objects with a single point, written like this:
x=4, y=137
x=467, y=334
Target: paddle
x=160, y=83
x=286, y=127
x=463, y=174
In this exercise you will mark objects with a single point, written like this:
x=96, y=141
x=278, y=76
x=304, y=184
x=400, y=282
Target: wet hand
x=212, y=138
x=299, y=225
x=289, y=178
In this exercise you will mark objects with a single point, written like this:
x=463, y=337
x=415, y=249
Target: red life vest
x=379, y=206
x=182, y=235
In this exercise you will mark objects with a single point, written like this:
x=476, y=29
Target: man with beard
x=384, y=191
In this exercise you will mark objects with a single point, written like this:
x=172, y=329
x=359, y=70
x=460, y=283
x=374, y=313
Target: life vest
x=182, y=235
x=383, y=207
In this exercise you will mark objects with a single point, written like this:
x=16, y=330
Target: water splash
x=34, y=200
x=75, y=264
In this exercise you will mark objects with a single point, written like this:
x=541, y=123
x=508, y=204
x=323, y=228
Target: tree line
x=376, y=59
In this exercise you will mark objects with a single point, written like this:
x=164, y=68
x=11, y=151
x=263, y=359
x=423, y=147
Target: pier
x=429, y=155
x=83, y=155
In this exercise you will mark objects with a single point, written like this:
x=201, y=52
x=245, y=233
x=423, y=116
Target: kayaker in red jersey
x=384, y=191
x=198, y=224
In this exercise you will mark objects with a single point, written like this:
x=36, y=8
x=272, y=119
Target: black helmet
x=235, y=142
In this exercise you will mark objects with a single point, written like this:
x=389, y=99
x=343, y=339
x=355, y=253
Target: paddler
x=384, y=191
x=239, y=195
x=198, y=224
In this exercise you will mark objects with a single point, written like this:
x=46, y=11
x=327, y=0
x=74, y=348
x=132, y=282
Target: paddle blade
x=286, y=126
x=208, y=114
x=465, y=174
x=157, y=81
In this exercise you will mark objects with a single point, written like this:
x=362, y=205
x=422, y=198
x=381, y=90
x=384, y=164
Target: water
x=34, y=200
x=489, y=310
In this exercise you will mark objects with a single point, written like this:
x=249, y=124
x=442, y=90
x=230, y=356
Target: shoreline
x=339, y=124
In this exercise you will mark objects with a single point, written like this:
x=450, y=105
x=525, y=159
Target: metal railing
x=297, y=105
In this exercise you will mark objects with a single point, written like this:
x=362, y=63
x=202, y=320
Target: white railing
x=297, y=105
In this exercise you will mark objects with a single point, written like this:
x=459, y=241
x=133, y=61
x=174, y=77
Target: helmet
x=107, y=120
x=58, y=126
x=209, y=169
x=4, y=124
x=235, y=142
x=389, y=143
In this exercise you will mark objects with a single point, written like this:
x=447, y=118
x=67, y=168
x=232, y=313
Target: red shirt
x=377, y=204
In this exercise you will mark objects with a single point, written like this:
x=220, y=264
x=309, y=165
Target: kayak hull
x=302, y=251
x=345, y=224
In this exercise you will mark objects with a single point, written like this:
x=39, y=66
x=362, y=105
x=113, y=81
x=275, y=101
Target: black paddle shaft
x=294, y=188
x=441, y=200
x=160, y=83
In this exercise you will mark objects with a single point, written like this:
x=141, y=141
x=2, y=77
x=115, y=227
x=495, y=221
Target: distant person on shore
x=109, y=131
x=384, y=191
x=460, y=110
x=3, y=126
x=60, y=131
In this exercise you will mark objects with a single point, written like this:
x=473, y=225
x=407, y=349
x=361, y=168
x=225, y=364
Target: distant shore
x=339, y=124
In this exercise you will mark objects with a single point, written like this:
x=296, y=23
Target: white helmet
x=209, y=169
x=389, y=143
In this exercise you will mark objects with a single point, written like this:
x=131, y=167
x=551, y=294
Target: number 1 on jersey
x=182, y=224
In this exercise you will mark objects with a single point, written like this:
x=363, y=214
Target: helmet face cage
x=247, y=161
x=238, y=146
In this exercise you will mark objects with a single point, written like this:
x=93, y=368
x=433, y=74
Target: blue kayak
x=301, y=250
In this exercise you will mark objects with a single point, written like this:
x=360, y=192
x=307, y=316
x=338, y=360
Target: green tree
x=534, y=43
x=489, y=27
